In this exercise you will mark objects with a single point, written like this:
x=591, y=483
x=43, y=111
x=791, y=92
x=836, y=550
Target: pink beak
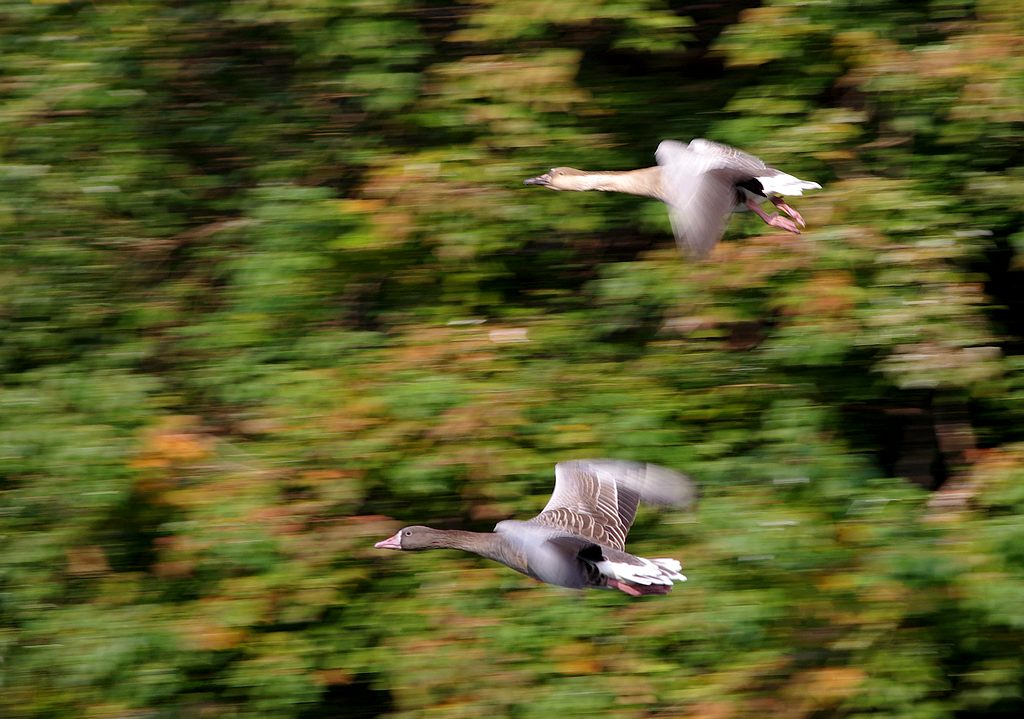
x=392, y=542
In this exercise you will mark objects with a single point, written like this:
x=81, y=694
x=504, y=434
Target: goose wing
x=727, y=155
x=699, y=183
x=597, y=499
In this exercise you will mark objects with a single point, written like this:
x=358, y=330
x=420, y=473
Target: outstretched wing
x=699, y=184
x=727, y=155
x=597, y=499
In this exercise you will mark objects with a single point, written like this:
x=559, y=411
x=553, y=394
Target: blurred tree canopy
x=270, y=286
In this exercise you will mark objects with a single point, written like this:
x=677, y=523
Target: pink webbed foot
x=783, y=223
x=775, y=219
x=789, y=210
x=639, y=591
x=623, y=587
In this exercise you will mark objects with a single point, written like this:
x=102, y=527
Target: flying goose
x=578, y=540
x=702, y=183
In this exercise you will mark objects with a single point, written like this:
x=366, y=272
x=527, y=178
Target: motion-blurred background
x=271, y=287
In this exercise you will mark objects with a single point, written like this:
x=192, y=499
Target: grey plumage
x=578, y=539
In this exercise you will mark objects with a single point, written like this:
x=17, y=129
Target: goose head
x=558, y=178
x=414, y=538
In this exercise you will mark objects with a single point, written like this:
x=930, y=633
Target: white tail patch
x=652, y=571
x=783, y=184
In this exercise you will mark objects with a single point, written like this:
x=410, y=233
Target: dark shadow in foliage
x=358, y=700
x=609, y=73
x=134, y=528
x=917, y=435
x=1005, y=285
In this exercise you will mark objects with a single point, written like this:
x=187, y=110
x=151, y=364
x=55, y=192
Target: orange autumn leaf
x=202, y=634
x=86, y=561
x=826, y=686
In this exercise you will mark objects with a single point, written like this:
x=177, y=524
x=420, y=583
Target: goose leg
x=623, y=587
x=782, y=205
x=635, y=591
x=775, y=220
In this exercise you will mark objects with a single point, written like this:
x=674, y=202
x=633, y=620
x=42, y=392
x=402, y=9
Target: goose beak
x=543, y=180
x=392, y=542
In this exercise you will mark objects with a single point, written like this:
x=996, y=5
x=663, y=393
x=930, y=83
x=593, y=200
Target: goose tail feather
x=644, y=573
x=787, y=185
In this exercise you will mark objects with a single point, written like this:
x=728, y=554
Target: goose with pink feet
x=579, y=539
x=702, y=183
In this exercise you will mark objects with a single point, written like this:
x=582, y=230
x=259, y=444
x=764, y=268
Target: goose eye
x=407, y=533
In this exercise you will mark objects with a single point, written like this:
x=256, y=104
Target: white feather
x=652, y=571
x=786, y=185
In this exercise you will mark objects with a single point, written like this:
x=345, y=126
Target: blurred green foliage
x=270, y=286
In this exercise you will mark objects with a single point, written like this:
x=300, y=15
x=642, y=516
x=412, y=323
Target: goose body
x=578, y=539
x=702, y=183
